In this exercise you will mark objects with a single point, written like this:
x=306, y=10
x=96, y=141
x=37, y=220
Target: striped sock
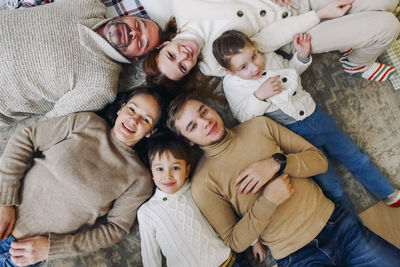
x=375, y=72
x=346, y=53
x=393, y=200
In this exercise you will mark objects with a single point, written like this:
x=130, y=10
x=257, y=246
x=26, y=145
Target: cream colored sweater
x=52, y=61
x=173, y=224
x=83, y=172
x=239, y=219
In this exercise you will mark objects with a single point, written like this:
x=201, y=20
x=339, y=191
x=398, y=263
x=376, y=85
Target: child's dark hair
x=165, y=141
x=229, y=44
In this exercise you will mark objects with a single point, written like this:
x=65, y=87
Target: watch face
x=280, y=158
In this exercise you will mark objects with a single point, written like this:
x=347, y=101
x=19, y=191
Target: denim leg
x=241, y=260
x=328, y=181
x=339, y=146
x=344, y=241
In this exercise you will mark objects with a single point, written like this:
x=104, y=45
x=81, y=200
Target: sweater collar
x=160, y=195
x=94, y=42
x=217, y=149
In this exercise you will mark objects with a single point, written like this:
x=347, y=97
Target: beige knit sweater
x=240, y=219
x=52, y=61
x=83, y=172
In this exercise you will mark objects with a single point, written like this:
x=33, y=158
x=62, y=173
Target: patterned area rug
x=368, y=112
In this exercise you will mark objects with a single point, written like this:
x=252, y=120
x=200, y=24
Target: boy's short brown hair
x=229, y=44
x=166, y=141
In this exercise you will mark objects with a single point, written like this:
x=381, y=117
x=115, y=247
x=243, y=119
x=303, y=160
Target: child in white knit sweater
x=171, y=222
x=267, y=84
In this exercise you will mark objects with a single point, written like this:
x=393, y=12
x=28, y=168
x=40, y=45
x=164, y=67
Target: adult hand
x=302, y=44
x=256, y=175
x=335, y=9
x=279, y=190
x=7, y=220
x=270, y=87
x=281, y=2
x=259, y=252
x=29, y=250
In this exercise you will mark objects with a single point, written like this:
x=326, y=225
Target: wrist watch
x=281, y=159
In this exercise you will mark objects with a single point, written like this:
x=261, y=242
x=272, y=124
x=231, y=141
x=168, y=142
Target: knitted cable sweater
x=63, y=174
x=174, y=224
x=239, y=219
x=52, y=61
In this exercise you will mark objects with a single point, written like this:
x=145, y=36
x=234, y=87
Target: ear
x=163, y=44
x=191, y=143
x=187, y=170
x=151, y=132
x=227, y=70
x=135, y=59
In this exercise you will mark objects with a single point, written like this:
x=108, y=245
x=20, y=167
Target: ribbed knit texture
x=83, y=172
x=240, y=219
x=174, y=224
x=52, y=61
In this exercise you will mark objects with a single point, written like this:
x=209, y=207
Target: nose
x=183, y=54
x=134, y=34
x=206, y=123
x=254, y=68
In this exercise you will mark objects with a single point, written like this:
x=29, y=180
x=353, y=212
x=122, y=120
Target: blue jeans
x=241, y=260
x=5, y=254
x=320, y=130
x=344, y=241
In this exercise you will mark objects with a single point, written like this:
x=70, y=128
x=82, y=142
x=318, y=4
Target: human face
x=177, y=58
x=200, y=124
x=248, y=64
x=169, y=173
x=136, y=119
x=131, y=36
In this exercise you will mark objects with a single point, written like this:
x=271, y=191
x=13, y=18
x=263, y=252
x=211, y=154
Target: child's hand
x=271, y=87
x=259, y=252
x=302, y=43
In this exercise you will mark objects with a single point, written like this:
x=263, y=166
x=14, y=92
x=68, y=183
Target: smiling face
x=131, y=36
x=136, y=119
x=199, y=123
x=177, y=58
x=169, y=173
x=248, y=64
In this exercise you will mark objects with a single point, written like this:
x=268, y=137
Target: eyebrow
x=147, y=41
x=191, y=122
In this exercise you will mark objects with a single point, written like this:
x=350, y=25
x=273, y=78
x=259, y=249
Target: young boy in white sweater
x=267, y=84
x=171, y=222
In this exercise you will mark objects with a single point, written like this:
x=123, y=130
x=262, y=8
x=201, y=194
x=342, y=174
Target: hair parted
x=175, y=108
x=229, y=44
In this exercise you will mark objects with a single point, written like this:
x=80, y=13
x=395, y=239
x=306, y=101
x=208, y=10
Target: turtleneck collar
x=160, y=195
x=217, y=149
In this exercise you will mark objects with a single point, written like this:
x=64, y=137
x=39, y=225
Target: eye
x=243, y=67
x=131, y=109
x=170, y=55
x=194, y=126
x=204, y=112
x=146, y=120
x=159, y=169
x=175, y=168
x=182, y=68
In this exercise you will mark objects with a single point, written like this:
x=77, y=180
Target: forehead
x=166, y=156
x=243, y=55
x=146, y=104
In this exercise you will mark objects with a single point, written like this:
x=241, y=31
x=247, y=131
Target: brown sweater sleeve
x=20, y=149
x=303, y=159
x=116, y=225
x=223, y=219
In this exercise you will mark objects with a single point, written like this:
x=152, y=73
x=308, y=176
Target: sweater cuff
x=56, y=246
x=9, y=195
x=263, y=208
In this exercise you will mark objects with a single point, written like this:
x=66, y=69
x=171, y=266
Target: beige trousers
x=369, y=27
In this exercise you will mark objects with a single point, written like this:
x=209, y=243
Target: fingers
x=242, y=175
x=273, y=78
x=8, y=230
